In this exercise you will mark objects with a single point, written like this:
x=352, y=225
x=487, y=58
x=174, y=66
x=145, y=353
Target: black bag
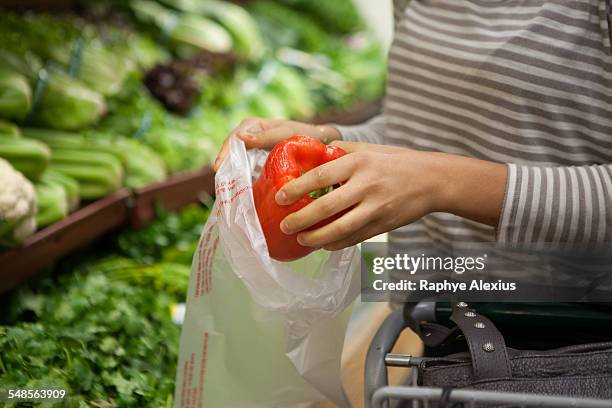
x=576, y=371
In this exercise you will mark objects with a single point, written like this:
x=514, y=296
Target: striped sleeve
x=372, y=131
x=557, y=205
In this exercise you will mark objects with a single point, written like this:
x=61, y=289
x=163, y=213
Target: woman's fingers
x=252, y=127
x=221, y=155
x=248, y=125
x=323, y=176
x=256, y=125
x=344, y=228
x=260, y=133
x=266, y=138
x=322, y=208
x=370, y=230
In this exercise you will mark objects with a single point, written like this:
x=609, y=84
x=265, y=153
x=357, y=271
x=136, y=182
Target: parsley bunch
x=103, y=329
x=107, y=342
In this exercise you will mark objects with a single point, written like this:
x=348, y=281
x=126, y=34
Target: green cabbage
x=68, y=104
x=242, y=27
x=63, y=102
x=15, y=94
x=187, y=32
x=291, y=87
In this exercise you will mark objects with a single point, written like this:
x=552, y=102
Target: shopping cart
x=542, y=326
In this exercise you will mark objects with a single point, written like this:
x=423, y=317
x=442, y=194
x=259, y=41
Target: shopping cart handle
x=375, y=367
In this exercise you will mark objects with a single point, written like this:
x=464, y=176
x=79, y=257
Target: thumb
x=266, y=138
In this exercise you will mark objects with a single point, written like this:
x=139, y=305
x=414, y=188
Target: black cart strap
x=487, y=346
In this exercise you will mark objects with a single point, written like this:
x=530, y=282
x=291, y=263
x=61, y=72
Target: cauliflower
x=17, y=206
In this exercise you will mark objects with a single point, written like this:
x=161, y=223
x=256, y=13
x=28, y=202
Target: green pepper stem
x=320, y=192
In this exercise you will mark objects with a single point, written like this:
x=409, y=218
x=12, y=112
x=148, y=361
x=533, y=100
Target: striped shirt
x=522, y=82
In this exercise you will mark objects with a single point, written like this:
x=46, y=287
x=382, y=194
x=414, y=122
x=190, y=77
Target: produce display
x=126, y=93
x=101, y=327
x=122, y=94
x=127, y=162
x=287, y=161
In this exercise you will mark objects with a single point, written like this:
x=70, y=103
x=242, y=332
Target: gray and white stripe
x=523, y=82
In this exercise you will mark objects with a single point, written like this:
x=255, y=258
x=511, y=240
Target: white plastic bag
x=258, y=332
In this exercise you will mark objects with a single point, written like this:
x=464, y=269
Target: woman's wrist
x=468, y=187
x=439, y=178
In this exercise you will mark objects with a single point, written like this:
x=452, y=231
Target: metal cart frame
x=378, y=393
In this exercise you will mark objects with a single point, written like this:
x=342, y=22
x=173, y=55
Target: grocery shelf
x=133, y=208
x=50, y=244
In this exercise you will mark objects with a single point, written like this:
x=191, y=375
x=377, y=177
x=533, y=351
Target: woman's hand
x=387, y=187
x=265, y=133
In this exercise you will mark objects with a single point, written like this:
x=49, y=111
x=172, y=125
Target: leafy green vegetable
x=63, y=102
x=53, y=202
x=291, y=87
x=172, y=238
x=70, y=185
x=103, y=330
x=167, y=277
x=327, y=86
x=142, y=165
x=9, y=130
x=15, y=94
x=77, y=47
x=248, y=42
x=283, y=27
x=182, y=143
x=109, y=343
x=337, y=16
x=143, y=49
x=27, y=156
x=67, y=104
x=267, y=104
x=97, y=173
x=187, y=32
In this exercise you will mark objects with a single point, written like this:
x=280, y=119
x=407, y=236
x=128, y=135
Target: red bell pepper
x=288, y=160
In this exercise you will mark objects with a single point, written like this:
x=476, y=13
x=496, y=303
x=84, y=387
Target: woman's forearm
x=470, y=188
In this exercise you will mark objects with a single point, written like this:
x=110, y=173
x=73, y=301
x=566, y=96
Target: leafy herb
x=172, y=238
x=103, y=331
x=109, y=343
